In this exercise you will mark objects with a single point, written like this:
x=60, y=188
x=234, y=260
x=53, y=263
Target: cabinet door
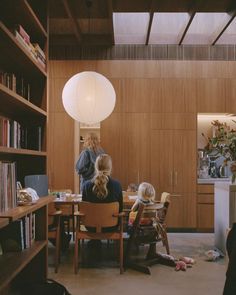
x=211, y=95
x=137, y=149
x=184, y=161
x=112, y=141
x=162, y=160
x=182, y=211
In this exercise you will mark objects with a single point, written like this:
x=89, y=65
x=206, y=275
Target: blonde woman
x=102, y=188
x=87, y=158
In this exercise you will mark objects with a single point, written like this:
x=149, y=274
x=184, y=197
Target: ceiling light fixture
x=88, y=97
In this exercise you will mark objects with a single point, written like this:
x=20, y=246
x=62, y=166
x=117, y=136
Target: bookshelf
x=30, y=264
x=23, y=128
x=23, y=85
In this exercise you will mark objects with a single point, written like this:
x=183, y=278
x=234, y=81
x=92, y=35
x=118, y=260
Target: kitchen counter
x=225, y=212
x=212, y=180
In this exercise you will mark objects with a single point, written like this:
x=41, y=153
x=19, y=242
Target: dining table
x=73, y=200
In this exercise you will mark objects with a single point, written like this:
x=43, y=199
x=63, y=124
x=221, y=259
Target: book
x=11, y=237
x=23, y=33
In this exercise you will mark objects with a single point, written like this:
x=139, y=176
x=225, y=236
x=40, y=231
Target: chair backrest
x=165, y=197
x=99, y=215
x=38, y=183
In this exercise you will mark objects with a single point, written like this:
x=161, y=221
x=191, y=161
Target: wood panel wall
x=195, y=86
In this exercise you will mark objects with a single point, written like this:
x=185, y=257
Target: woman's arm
x=82, y=163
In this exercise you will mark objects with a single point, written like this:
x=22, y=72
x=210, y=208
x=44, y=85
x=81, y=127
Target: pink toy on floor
x=187, y=260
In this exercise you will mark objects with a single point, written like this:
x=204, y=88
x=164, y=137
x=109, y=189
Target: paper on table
x=132, y=197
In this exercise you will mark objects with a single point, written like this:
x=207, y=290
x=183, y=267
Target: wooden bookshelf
x=21, y=211
x=15, y=262
x=16, y=59
x=25, y=104
x=3, y=222
x=17, y=265
x=12, y=103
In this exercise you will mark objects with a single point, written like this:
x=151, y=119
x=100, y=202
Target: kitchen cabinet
x=205, y=207
x=212, y=95
x=173, y=169
x=128, y=146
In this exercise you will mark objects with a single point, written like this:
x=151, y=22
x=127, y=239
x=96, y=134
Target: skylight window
x=130, y=28
x=167, y=28
x=205, y=27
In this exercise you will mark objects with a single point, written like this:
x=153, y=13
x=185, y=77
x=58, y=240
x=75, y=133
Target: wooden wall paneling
x=161, y=160
x=117, y=84
x=136, y=94
x=231, y=96
x=66, y=69
x=56, y=87
x=211, y=95
x=137, y=149
x=184, y=161
x=112, y=140
x=61, y=154
x=172, y=121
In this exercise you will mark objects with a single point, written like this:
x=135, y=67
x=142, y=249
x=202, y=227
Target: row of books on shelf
x=17, y=84
x=18, y=235
x=33, y=48
x=15, y=135
x=8, y=197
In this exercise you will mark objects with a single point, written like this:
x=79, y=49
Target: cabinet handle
x=175, y=195
x=176, y=177
x=171, y=178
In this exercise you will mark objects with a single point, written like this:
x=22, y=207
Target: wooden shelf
x=3, y=222
x=16, y=54
x=21, y=211
x=10, y=150
x=14, y=104
x=14, y=262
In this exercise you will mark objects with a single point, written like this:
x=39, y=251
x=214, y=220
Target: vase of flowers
x=223, y=143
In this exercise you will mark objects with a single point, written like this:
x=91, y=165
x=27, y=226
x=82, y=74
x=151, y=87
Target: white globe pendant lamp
x=88, y=97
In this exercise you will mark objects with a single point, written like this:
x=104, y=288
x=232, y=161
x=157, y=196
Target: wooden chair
x=67, y=213
x=98, y=216
x=137, y=236
x=54, y=231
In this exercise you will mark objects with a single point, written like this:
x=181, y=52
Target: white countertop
x=212, y=180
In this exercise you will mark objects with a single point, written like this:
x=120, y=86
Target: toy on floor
x=187, y=260
x=212, y=255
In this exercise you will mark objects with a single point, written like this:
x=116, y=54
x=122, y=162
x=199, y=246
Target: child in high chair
x=146, y=196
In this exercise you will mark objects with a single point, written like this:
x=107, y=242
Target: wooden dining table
x=74, y=200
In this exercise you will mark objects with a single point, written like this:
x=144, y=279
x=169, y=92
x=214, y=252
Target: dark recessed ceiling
x=90, y=22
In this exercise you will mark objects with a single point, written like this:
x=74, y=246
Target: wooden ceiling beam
x=73, y=20
x=221, y=31
x=151, y=14
x=186, y=28
x=110, y=16
x=194, y=6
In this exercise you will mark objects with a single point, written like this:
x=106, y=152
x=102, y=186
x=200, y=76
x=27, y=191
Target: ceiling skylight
x=167, y=28
x=130, y=28
x=229, y=35
x=205, y=27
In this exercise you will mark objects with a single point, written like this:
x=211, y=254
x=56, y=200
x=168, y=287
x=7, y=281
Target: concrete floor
x=205, y=278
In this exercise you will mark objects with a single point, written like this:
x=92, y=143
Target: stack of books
x=8, y=198
x=34, y=49
x=18, y=235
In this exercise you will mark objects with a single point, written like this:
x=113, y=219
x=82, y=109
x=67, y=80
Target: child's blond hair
x=146, y=191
